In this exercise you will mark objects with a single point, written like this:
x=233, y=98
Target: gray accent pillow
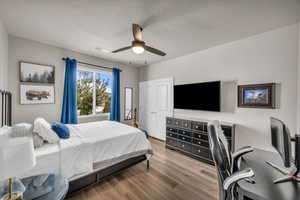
x=26, y=130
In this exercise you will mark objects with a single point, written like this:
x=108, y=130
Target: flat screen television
x=198, y=96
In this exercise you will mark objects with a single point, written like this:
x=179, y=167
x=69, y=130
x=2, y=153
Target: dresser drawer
x=205, y=127
x=184, y=146
x=169, y=121
x=201, y=136
x=184, y=138
x=202, y=152
x=186, y=124
x=201, y=143
x=177, y=122
x=172, y=129
x=171, y=134
x=171, y=142
x=184, y=132
x=197, y=126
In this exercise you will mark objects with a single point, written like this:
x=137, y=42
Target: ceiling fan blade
x=122, y=49
x=137, y=32
x=155, y=51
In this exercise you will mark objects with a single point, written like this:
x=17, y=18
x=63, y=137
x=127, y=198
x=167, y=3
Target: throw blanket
x=37, y=186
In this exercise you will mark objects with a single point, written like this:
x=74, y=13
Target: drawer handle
x=197, y=126
x=183, y=138
x=171, y=134
x=182, y=145
x=183, y=132
x=199, y=136
x=199, y=150
x=199, y=142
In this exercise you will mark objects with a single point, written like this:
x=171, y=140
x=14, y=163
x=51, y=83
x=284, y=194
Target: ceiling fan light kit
x=138, y=46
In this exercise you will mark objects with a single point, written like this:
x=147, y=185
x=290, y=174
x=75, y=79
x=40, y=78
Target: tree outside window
x=93, y=92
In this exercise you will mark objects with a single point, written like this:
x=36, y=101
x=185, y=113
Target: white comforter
x=112, y=139
x=89, y=143
x=68, y=158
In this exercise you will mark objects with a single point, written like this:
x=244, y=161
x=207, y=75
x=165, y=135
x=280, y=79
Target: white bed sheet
x=89, y=143
x=111, y=140
x=47, y=160
x=69, y=157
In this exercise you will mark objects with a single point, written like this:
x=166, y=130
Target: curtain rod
x=85, y=63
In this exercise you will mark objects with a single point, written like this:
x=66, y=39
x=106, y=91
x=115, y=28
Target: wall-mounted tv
x=198, y=96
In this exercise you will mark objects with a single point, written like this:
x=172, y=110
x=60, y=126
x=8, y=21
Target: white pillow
x=26, y=130
x=43, y=129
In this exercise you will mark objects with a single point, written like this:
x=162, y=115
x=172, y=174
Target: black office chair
x=226, y=163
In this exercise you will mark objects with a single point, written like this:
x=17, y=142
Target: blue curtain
x=69, y=107
x=115, y=100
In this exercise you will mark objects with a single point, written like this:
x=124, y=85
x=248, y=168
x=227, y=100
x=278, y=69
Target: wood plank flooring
x=172, y=176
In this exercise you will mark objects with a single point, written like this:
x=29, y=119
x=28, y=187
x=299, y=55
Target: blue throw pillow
x=61, y=130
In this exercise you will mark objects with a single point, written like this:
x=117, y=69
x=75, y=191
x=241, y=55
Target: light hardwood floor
x=172, y=176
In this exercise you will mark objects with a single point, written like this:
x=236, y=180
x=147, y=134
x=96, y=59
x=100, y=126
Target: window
x=93, y=91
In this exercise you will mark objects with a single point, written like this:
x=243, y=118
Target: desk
x=264, y=189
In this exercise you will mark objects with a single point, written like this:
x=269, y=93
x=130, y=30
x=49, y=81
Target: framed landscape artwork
x=37, y=94
x=257, y=96
x=36, y=73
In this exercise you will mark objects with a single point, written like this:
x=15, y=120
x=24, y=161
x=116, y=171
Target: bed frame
x=5, y=99
x=82, y=182
x=100, y=175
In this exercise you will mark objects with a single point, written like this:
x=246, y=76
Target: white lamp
x=16, y=158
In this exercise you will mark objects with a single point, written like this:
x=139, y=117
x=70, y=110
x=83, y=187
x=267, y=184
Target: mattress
x=91, y=145
x=47, y=160
x=111, y=140
x=68, y=157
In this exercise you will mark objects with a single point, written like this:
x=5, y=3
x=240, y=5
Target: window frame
x=94, y=71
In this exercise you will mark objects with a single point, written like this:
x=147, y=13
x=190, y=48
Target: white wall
x=26, y=50
x=3, y=56
x=263, y=58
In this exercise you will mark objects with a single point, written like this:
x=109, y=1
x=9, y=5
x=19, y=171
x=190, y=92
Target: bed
x=94, y=151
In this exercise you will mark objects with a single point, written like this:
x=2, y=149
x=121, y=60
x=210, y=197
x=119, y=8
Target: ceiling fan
x=138, y=46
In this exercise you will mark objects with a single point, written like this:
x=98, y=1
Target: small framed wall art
x=257, y=96
x=37, y=94
x=36, y=73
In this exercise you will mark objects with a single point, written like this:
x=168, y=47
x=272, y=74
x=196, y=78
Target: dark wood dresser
x=191, y=138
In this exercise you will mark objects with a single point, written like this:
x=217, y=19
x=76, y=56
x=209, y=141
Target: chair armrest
x=237, y=176
x=237, y=155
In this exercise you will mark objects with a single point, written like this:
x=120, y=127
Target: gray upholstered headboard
x=6, y=109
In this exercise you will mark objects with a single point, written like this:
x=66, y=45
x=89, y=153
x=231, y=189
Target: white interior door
x=151, y=110
x=164, y=99
x=143, y=102
x=156, y=103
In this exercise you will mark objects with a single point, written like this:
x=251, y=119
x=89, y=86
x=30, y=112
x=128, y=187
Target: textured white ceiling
x=178, y=27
